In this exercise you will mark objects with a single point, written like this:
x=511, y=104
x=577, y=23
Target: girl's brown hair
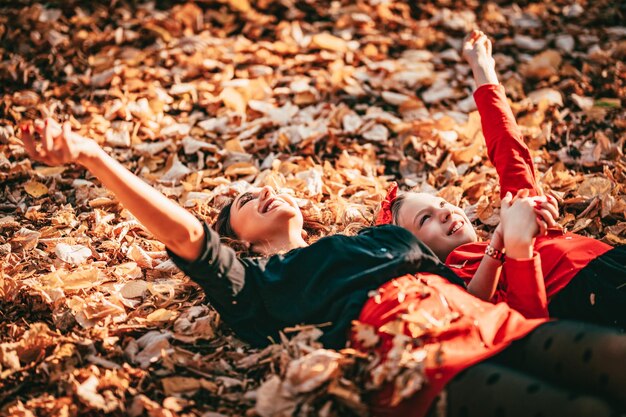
x=396, y=204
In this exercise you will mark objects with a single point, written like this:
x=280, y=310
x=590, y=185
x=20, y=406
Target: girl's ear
x=304, y=234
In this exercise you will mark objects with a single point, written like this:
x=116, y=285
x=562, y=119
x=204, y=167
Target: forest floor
x=331, y=100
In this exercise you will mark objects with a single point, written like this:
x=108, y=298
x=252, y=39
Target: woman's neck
x=280, y=244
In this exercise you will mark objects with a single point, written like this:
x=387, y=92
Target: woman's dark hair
x=228, y=236
x=222, y=223
x=314, y=229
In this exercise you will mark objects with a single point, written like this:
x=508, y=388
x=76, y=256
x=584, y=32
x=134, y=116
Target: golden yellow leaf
x=50, y=171
x=162, y=315
x=594, y=186
x=329, y=42
x=35, y=189
x=240, y=5
x=234, y=145
x=234, y=100
x=241, y=168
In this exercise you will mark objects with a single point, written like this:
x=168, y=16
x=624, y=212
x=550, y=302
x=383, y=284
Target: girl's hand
x=476, y=45
x=497, y=240
x=519, y=224
x=59, y=145
x=477, y=51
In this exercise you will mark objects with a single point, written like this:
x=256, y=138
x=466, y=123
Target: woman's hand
x=176, y=227
x=547, y=209
x=59, y=145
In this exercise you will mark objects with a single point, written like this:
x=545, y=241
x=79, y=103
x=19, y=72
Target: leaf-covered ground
x=328, y=99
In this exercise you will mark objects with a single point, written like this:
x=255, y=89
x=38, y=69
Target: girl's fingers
x=506, y=200
x=471, y=39
x=523, y=193
x=472, y=35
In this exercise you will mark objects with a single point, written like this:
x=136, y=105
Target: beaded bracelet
x=494, y=253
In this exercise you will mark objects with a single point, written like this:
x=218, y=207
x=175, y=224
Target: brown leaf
x=329, y=42
x=35, y=189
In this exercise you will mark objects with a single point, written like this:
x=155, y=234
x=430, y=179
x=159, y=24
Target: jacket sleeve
x=526, y=290
x=505, y=144
x=218, y=270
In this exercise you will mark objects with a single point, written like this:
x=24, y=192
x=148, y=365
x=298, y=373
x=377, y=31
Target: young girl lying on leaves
x=424, y=320
x=585, y=279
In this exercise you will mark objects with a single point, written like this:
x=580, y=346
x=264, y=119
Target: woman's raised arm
x=176, y=227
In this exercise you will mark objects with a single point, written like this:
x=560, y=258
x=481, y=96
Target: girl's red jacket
x=558, y=256
x=454, y=330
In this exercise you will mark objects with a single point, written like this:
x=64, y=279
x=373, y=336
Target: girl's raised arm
x=176, y=227
x=505, y=144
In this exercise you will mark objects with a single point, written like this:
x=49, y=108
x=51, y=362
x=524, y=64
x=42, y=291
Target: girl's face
x=260, y=215
x=439, y=224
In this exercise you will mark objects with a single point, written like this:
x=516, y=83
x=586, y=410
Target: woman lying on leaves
x=422, y=317
x=585, y=279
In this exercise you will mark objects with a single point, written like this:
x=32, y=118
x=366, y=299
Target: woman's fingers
x=553, y=202
x=65, y=141
x=547, y=202
x=51, y=143
x=48, y=136
x=554, y=211
x=54, y=149
x=28, y=139
x=52, y=124
x=543, y=227
x=546, y=216
x=59, y=144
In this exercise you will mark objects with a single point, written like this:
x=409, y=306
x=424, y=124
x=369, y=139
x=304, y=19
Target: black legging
x=562, y=368
x=597, y=294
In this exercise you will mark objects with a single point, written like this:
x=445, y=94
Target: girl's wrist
x=495, y=254
x=484, y=73
x=519, y=250
x=496, y=240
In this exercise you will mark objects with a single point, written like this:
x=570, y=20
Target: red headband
x=384, y=214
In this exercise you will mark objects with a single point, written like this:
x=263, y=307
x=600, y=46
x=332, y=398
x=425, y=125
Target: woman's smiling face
x=260, y=215
x=440, y=225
